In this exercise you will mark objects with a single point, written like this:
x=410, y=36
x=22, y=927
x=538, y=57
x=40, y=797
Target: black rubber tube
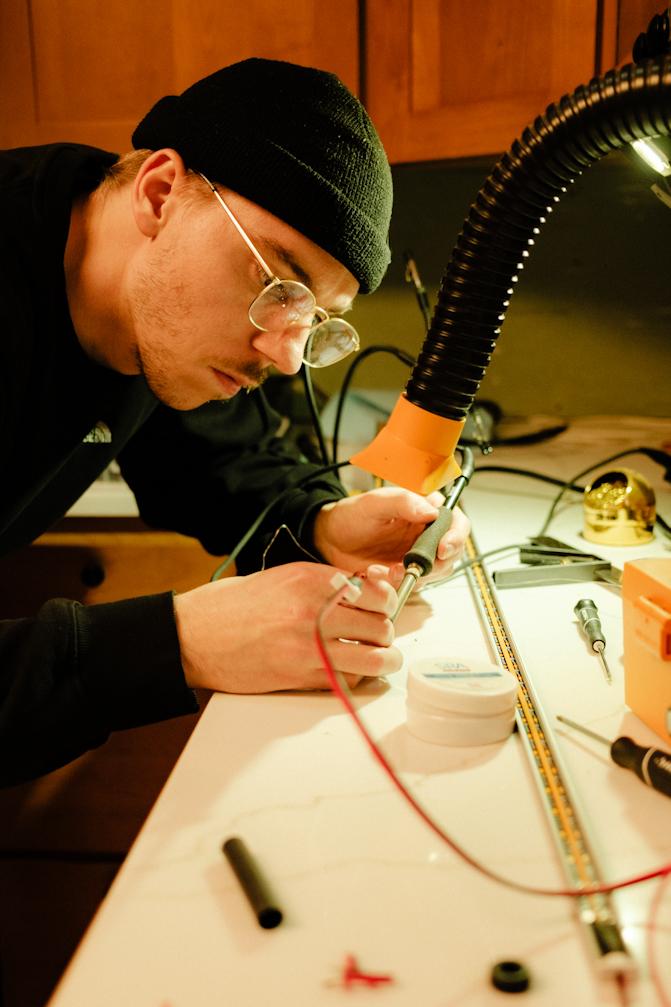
x=508, y=213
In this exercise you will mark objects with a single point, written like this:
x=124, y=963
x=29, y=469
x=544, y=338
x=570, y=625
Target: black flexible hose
x=508, y=212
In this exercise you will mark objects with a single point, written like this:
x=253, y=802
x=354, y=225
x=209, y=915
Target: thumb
x=392, y=502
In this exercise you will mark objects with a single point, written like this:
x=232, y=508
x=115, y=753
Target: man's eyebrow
x=287, y=258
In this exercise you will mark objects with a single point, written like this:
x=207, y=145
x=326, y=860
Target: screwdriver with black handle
x=652, y=765
x=588, y=615
x=419, y=560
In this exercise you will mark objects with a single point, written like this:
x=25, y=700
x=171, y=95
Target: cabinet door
x=631, y=18
x=97, y=567
x=88, y=70
x=445, y=78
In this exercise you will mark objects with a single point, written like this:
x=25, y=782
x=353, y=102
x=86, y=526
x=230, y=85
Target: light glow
x=653, y=156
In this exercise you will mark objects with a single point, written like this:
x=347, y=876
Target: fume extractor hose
x=416, y=447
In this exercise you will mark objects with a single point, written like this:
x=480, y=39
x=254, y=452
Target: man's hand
x=380, y=526
x=257, y=633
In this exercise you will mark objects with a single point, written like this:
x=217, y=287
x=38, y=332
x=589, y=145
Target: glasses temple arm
x=257, y=255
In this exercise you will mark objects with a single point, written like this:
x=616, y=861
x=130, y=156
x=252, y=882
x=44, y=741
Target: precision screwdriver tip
x=598, y=647
x=604, y=665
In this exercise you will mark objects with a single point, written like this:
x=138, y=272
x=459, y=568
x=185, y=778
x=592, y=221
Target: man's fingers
x=355, y=624
x=363, y=660
x=394, y=502
x=377, y=594
x=453, y=540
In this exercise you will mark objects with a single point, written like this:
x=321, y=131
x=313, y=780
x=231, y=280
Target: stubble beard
x=151, y=300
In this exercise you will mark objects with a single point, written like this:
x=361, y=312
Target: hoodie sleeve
x=209, y=473
x=73, y=674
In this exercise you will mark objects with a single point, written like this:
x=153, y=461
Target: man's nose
x=284, y=348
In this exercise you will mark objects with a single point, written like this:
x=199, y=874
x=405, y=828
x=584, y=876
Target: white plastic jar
x=460, y=701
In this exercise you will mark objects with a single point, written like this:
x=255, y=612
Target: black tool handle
x=423, y=552
x=651, y=765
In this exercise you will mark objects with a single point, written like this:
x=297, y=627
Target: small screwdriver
x=651, y=765
x=588, y=615
x=419, y=560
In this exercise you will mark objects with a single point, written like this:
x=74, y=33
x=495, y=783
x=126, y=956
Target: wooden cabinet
x=88, y=70
x=441, y=78
x=98, y=560
x=623, y=22
x=445, y=79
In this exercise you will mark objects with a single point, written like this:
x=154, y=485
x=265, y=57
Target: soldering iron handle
x=651, y=765
x=423, y=552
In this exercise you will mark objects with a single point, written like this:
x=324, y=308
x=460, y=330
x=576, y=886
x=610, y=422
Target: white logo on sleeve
x=99, y=434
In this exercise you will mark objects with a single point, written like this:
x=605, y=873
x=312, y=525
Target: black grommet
x=92, y=574
x=511, y=977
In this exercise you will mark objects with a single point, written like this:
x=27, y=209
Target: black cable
x=383, y=348
x=314, y=412
x=412, y=276
x=531, y=438
x=664, y=525
x=553, y=480
x=661, y=457
x=258, y=521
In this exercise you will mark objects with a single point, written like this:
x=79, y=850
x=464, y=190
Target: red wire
x=344, y=695
x=655, y=974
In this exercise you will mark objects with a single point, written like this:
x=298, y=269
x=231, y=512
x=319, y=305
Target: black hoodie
x=72, y=673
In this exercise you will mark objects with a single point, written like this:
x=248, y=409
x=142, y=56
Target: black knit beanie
x=293, y=140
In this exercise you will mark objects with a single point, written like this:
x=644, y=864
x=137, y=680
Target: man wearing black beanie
x=146, y=293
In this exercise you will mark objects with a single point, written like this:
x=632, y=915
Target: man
x=146, y=297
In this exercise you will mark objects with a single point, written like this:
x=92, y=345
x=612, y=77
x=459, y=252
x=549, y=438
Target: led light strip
x=596, y=912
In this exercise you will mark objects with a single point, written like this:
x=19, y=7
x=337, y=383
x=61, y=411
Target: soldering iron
x=419, y=560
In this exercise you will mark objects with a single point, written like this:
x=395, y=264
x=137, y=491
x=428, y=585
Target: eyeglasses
x=287, y=303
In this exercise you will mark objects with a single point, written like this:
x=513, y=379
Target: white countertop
x=354, y=870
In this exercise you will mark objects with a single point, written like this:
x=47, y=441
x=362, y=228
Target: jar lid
x=462, y=685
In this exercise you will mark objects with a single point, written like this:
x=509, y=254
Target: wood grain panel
x=98, y=567
x=17, y=98
x=96, y=60
x=633, y=18
x=445, y=79
x=88, y=70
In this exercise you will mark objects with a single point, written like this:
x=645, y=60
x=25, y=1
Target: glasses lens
x=329, y=342
x=281, y=304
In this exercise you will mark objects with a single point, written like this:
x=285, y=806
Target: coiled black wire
x=508, y=213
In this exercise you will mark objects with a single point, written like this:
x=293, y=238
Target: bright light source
x=653, y=156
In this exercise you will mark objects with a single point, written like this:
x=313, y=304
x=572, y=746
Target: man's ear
x=153, y=187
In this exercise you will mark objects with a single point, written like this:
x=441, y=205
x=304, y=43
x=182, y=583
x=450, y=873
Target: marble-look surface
x=354, y=870
x=106, y=498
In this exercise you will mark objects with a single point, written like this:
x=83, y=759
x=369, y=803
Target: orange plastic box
x=646, y=596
